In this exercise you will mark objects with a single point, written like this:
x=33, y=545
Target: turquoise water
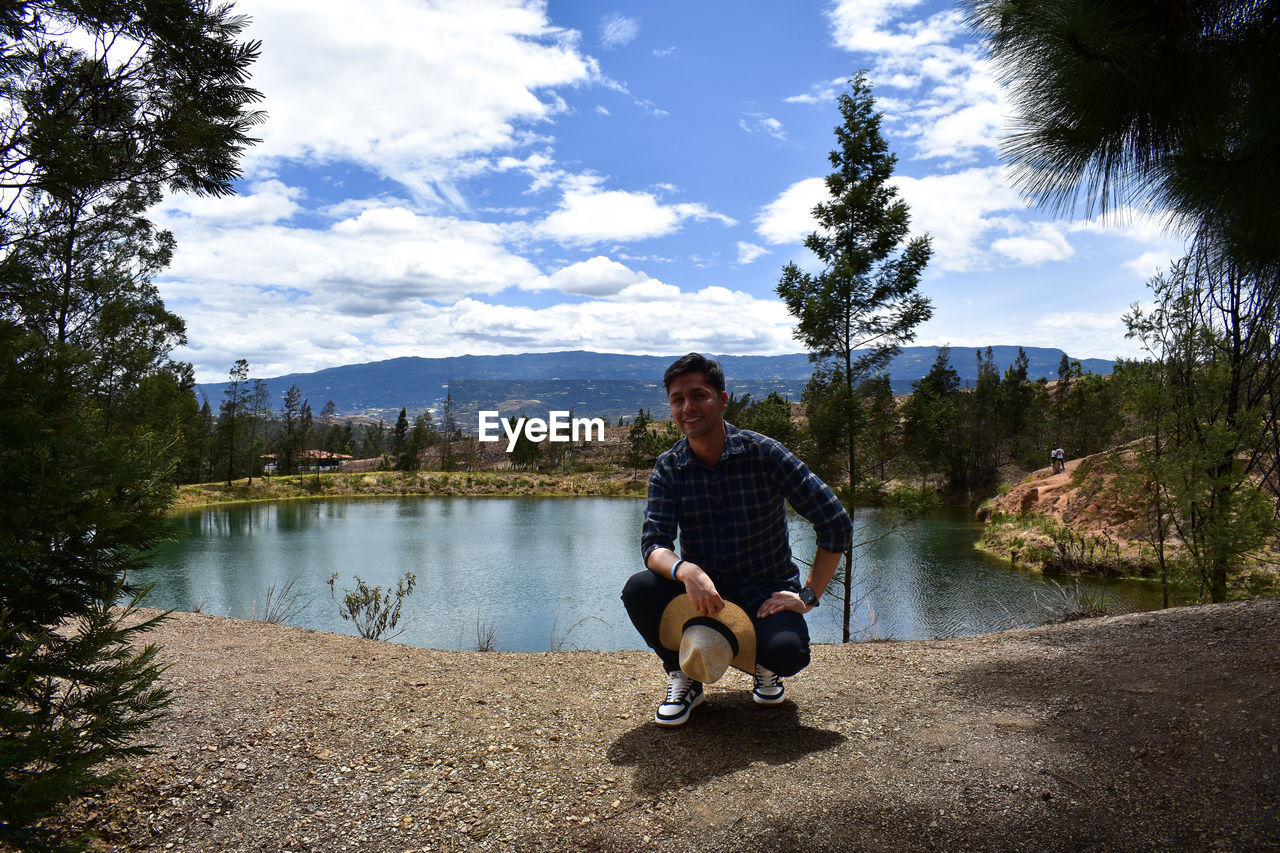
x=545, y=573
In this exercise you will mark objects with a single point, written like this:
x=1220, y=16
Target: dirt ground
x=1145, y=731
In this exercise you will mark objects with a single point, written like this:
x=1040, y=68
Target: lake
x=546, y=573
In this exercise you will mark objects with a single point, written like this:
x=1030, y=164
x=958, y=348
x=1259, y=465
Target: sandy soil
x=1144, y=731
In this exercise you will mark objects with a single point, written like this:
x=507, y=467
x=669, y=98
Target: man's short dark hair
x=696, y=363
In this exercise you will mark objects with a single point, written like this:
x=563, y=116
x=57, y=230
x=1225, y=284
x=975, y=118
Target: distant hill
x=593, y=384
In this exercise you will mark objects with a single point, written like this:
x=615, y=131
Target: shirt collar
x=734, y=444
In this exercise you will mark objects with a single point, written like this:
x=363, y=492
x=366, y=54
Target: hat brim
x=681, y=611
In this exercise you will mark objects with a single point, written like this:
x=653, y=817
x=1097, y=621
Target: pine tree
x=855, y=314
x=91, y=135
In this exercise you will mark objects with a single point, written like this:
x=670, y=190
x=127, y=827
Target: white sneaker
x=768, y=689
x=683, y=695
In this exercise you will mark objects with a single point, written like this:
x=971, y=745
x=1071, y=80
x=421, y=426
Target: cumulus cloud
x=967, y=214
x=1045, y=243
x=407, y=90
x=961, y=212
x=597, y=276
x=789, y=217
x=372, y=259
x=588, y=214
x=262, y=203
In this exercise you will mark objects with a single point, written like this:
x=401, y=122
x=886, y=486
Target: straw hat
x=708, y=645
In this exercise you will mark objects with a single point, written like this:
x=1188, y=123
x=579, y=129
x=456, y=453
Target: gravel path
x=1146, y=731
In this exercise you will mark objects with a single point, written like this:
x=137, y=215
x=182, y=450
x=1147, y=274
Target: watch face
x=807, y=596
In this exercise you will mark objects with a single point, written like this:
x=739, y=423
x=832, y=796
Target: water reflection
x=546, y=572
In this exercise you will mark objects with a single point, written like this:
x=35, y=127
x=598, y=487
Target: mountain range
x=593, y=384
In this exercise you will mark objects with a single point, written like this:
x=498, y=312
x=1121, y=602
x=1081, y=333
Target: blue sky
x=497, y=176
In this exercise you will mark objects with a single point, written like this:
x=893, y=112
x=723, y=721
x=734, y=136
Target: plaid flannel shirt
x=732, y=519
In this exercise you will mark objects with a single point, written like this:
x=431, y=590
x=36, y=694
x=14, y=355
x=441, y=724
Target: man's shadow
x=724, y=734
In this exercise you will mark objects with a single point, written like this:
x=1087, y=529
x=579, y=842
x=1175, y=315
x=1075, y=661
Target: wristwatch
x=809, y=599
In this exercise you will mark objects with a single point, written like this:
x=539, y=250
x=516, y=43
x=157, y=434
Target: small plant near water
x=373, y=611
x=560, y=639
x=1067, y=604
x=486, y=633
x=284, y=605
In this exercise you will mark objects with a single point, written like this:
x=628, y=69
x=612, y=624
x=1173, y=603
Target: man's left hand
x=782, y=600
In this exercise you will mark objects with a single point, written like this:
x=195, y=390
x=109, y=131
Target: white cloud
x=376, y=258
x=972, y=217
x=763, y=123
x=820, y=94
x=952, y=107
x=959, y=211
x=1146, y=265
x=263, y=203
x=1079, y=333
x=748, y=252
x=598, y=276
x=617, y=30
x=407, y=90
x=878, y=26
x=588, y=215
x=789, y=217
x=307, y=337
x=1142, y=226
x=1045, y=243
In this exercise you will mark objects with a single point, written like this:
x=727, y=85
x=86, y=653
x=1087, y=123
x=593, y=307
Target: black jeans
x=782, y=640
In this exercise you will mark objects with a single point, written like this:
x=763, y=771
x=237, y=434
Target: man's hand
x=782, y=600
x=702, y=590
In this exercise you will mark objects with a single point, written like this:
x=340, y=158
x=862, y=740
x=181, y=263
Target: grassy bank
x=1043, y=543
x=425, y=483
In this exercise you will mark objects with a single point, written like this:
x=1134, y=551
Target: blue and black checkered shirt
x=732, y=519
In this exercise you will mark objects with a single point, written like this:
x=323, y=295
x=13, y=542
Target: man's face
x=696, y=407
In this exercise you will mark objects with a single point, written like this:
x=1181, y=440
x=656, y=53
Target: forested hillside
x=382, y=388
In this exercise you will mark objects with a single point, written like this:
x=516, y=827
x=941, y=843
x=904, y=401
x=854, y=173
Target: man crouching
x=724, y=492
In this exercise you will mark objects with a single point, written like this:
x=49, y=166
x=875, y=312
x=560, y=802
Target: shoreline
x=410, y=484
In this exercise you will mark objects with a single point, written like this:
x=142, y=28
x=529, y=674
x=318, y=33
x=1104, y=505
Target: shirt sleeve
x=661, y=516
x=813, y=499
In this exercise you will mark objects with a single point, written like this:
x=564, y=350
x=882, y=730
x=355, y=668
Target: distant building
x=308, y=460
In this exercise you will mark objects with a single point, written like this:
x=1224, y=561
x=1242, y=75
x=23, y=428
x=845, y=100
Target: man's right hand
x=702, y=591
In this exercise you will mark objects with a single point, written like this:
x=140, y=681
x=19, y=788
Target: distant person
x=1059, y=461
x=724, y=492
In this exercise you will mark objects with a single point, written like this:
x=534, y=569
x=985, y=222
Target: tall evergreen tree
x=883, y=429
x=401, y=433
x=105, y=106
x=854, y=315
x=291, y=416
x=1016, y=398
x=232, y=415
x=929, y=419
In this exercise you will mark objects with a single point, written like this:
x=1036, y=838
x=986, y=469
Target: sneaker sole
x=768, y=700
x=683, y=718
